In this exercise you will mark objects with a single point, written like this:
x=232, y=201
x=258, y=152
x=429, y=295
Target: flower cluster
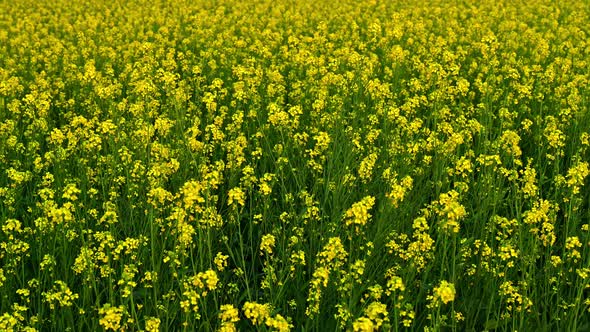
x=308, y=165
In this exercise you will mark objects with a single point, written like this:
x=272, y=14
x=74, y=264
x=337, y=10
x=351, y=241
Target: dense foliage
x=308, y=165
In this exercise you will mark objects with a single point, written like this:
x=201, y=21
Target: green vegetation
x=294, y=165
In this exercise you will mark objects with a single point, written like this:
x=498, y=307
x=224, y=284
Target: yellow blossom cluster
x=307, y=165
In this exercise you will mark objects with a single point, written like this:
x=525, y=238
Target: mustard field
x=309, y=165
